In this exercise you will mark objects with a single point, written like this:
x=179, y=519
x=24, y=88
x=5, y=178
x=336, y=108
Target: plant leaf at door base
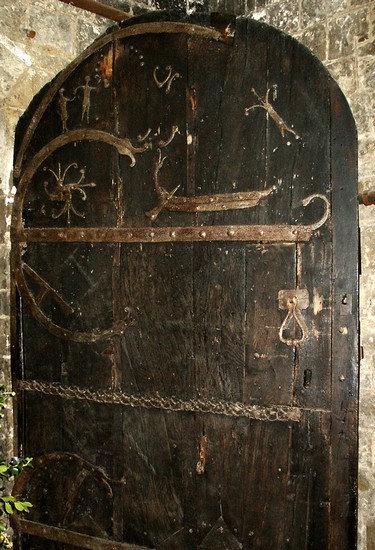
x=10, y=504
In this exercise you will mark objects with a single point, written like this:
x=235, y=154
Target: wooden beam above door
x=99, y=9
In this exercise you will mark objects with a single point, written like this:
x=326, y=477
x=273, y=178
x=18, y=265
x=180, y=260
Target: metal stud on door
x=161, y=206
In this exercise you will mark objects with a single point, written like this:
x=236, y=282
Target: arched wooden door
x=184, y=262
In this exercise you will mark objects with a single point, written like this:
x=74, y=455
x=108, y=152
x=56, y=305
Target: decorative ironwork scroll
x=256, y=233
x=159, y=27
x=268, y=107
x=204, y=203
x=63, y=192
x=168, y=80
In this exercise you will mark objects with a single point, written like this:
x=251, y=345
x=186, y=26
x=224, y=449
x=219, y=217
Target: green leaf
x=22, y=505
x=19, y=506
x=8, y=498
x=8, y=508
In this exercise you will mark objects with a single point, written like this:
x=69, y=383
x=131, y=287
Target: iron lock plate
x=301, y=295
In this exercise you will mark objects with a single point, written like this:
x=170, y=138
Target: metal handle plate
x=294, y=301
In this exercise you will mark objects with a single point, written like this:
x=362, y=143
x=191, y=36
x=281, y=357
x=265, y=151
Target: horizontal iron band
x=66, y=536
x=255, y=233
x=278, y=413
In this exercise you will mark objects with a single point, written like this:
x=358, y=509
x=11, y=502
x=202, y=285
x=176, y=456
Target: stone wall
x=39, y=37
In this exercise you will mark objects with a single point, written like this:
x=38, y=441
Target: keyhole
x=307, y=375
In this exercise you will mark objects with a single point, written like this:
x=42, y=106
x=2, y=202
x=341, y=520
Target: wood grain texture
x=208, y=430
x=269, y=363
x=345, y=323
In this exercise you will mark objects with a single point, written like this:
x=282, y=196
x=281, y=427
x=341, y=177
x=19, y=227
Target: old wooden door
x=184, y=261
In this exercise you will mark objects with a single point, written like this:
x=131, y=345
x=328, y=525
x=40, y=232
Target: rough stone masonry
x=38, y=38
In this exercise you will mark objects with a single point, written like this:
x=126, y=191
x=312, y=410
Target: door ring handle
x=289, y=300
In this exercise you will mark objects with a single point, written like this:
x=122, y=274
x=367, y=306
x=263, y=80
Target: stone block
x=260, y=14
x=198, y=6
x=315, y=39
x=334, y=6
x=53, y=30
x=344, y=72
x=90, y=30
x=8, y=119
x=370, y=535
x=368, y=247
x=50, y=6
x=12, y=17
x=367, y=372
x=312, y=12
x=126, y=5
x=344, y=31
x=340, y=38
x=4, y=267
x=366, y=157
x=366, y=220
x=366, y=48
x=4, y=303
x=362, y=26
x=11, y=67
x=284, y=16
x=359, y=2
x=366, y=184
x=362, y=105
x=137, y=8
x=366, y=72
x=367, y=410
x=367, y=493
x=5, y=377
x=233, y=7
x=8, y=122
x=169, y=4
x=132, y=7
x=3, y=216
x=363, y=484
x=367, y=376
x=367, y=449
x=27, y=87
x=367, y=298
x=5, y=336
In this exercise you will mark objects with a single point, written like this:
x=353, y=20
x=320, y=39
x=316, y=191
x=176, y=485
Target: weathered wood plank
x=312, y=380
x=345, y=324
x=73, y=538
x=219, y=315
x=265, y=504
x=151, y=78
x=157, y=354
x=308, y=495
x=269, y=363
x=312, y=384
